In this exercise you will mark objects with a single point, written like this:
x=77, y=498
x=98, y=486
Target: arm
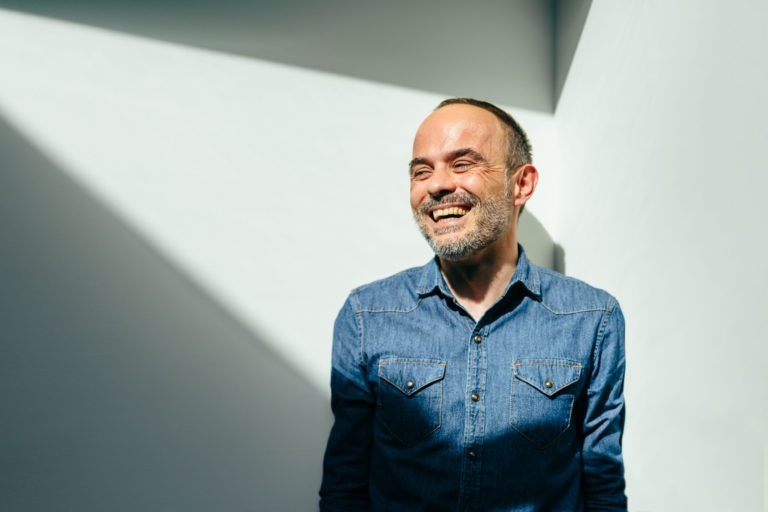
x=345, y=467
x=602, y=463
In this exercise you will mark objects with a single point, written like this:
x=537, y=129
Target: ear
x=526, y=179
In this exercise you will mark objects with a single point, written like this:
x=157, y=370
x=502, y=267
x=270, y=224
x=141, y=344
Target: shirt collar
x=432, y=279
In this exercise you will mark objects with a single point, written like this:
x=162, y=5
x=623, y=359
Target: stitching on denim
x=534, y=272
x=418, y=301
x=529, y=439
x=439, y=404
x=544, y=361
x=426, y=434
x=410, y=361
x=482, y=380
x=468, y=385
x=600, y=336
x=393, y=310
x=422, y=284
x=537, y=387
x=432, y=380
x=586, y=310
x=412, y=393
x=360, y=327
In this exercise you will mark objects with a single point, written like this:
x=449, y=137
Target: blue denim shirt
x=520, y=411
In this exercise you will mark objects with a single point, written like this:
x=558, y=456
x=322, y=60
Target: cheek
x=480, y=184
x=472, y=183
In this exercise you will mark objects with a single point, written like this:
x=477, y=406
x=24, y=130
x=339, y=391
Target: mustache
x=455, y=198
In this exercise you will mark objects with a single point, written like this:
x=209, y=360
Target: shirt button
x=472, y=454
x=475, y=397
x=478, y=339
x=409, y=384
x=548, y=384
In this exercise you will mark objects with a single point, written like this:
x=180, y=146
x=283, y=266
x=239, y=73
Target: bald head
x=461, y=128
x=518, y=147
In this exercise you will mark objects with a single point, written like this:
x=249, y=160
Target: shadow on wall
x=375, y=41
x=538, y=244
x=125, y=387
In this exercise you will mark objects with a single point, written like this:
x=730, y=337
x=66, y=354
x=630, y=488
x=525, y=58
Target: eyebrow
x=416, y=161
x=453, y=155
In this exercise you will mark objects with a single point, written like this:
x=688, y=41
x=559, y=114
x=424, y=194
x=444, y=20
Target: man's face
x=460, y=195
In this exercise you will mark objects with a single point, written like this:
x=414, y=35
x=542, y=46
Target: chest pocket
x=542, y=396
x=411, y=397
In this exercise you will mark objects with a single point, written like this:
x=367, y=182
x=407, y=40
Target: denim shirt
x=520, y=411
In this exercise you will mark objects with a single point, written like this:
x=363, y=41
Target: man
x=478, y=382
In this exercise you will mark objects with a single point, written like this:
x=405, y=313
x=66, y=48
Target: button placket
x=475, y=418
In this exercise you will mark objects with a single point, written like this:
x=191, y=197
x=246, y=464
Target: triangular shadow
x=126, y=386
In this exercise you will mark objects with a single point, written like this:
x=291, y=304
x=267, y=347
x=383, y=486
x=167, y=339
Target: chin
x=452, y=250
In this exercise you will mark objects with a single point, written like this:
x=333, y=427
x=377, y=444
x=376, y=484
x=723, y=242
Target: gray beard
x=493, y=216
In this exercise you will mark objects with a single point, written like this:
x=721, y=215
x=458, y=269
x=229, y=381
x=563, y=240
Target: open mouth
x=452, y=212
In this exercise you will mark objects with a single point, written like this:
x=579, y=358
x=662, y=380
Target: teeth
x=455, y=211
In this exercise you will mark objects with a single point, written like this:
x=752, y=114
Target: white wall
x=185, y=342
x=270, y=185
x=273, y=190
x=434, y=45
x=661, y=134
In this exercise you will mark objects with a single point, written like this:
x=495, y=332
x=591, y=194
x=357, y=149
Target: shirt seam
x=601, y=332
x=576, y=311
x=360, y=328
x=391, y=310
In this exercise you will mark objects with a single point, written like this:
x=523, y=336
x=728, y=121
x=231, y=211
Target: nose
x=441, y=182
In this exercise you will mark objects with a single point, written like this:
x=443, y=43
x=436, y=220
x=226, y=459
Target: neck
x=479, y=281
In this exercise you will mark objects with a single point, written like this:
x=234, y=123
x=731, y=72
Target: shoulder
x=397, y=292
x=564, y=294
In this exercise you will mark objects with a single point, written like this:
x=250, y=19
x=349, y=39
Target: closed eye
x=420, y=173
x=464, y=165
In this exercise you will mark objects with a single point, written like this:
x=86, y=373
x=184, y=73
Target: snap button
x=548, y=384
x=475, y=397
x=472, y=454
x=478, y=339
x=409, y=384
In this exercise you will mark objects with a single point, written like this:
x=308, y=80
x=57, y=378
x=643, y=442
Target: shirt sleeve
x=602, y=462
x=347, y=455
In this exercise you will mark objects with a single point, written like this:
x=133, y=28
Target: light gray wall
x=652, y=182
x=660, y=135
x=500, y=50
x=125, y=386
x=179, y=228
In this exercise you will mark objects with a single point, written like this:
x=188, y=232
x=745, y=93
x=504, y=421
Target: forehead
x=459, y=126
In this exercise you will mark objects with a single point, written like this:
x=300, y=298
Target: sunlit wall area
x=278, y=188
x=660, y=136
x=180, y=227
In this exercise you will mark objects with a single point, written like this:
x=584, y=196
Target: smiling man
x=478, y=382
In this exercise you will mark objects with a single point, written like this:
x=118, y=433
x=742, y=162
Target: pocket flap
x=548, y=375
x=411, y=375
